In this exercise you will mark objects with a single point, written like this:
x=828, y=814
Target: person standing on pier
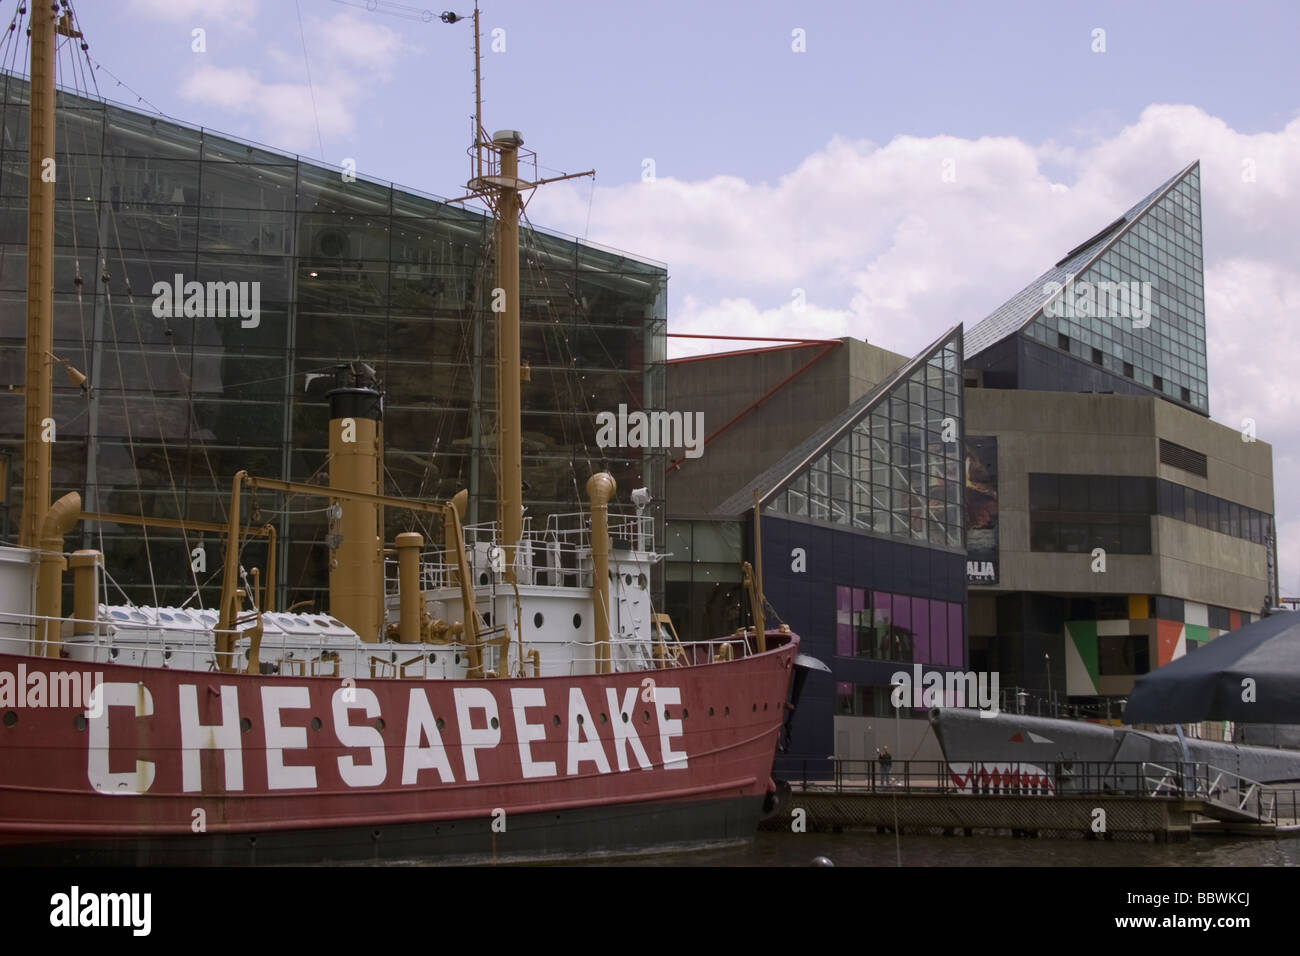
x=886, y=762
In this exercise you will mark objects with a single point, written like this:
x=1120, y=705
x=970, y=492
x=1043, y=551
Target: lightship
x=506, y=692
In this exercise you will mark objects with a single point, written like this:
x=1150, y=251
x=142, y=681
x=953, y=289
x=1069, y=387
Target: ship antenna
x=496, y=181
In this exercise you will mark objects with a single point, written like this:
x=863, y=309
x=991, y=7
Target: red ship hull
x=170, y=766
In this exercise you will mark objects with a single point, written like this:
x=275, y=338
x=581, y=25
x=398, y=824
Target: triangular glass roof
x=889, y=464
x=1018, y=311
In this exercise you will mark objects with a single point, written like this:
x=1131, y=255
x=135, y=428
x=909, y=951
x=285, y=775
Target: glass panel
x=955, y=636
x=921, y=630
x=882, y=622
x=1044, y=494
x=901, y=633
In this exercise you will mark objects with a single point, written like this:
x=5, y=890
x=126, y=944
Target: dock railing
x=1221, y=792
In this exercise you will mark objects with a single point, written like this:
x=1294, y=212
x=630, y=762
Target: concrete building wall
x=1070, y=433
x=722, y=386
x=1211, y=568
x=1241, y=471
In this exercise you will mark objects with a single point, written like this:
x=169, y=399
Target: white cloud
x=237, y=14
x=348, y=56
x=890, y=251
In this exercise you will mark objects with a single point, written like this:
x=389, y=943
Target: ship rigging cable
x=83, y=80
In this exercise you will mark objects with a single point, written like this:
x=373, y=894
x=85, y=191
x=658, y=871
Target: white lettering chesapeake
x=625, y=730
x=476, y=738
x=363, y=775
x=196, y=736
x=420, y=724
x=521, y=698
x=668, y=729
x=581, y=725
x=105, y=697
x=280, y=738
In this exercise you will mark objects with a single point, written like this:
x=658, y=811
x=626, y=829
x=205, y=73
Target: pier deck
x=1074, y=800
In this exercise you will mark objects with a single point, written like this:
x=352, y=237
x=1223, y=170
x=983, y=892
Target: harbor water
x=868, y=848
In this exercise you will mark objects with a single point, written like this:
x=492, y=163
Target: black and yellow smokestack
x=356, y=565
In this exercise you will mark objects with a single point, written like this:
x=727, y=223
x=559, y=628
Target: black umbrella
x=1251, y=675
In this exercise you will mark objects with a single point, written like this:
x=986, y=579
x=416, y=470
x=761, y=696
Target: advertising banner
x=981, y=509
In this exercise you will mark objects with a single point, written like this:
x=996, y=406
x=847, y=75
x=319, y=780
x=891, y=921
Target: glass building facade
x=1123, y=312
x=1157, y=258
x=896, y=468
x=343, y=270
x=863, y=549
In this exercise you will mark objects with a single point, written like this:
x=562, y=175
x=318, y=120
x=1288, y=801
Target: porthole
x=756, y=708
x=666, y=713
x=245, y=725
x=577, y=621
x=495, y=723
x=79, y=722
x=640, y=581
x=625, y=717
x=10, y=718
x=433, y=658
x=555, y=719
x=645, y=716
x=315, y=723
x=685, y=713
x=726, y=711
x=380, y=724
x=603, y=718
x=483, y=578
x=710, y=711
x=457, y=658
x=627, y=579
x=581, y=720
x=765, y=705
x=537, y=619
x=440, y=723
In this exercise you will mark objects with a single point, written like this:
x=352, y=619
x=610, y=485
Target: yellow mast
x=40, y=277
x=509, y=421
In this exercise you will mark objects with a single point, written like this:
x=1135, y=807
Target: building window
x=1128, y=369
x=1157, y=383
x=895, y=468
x=862, y=700
x=1096, y=357
x=1121, y=655
x=1077, y=513
x=1063, y=342
x=883, y=626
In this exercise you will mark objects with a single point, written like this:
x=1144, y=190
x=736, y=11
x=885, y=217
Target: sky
x=775, y=154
